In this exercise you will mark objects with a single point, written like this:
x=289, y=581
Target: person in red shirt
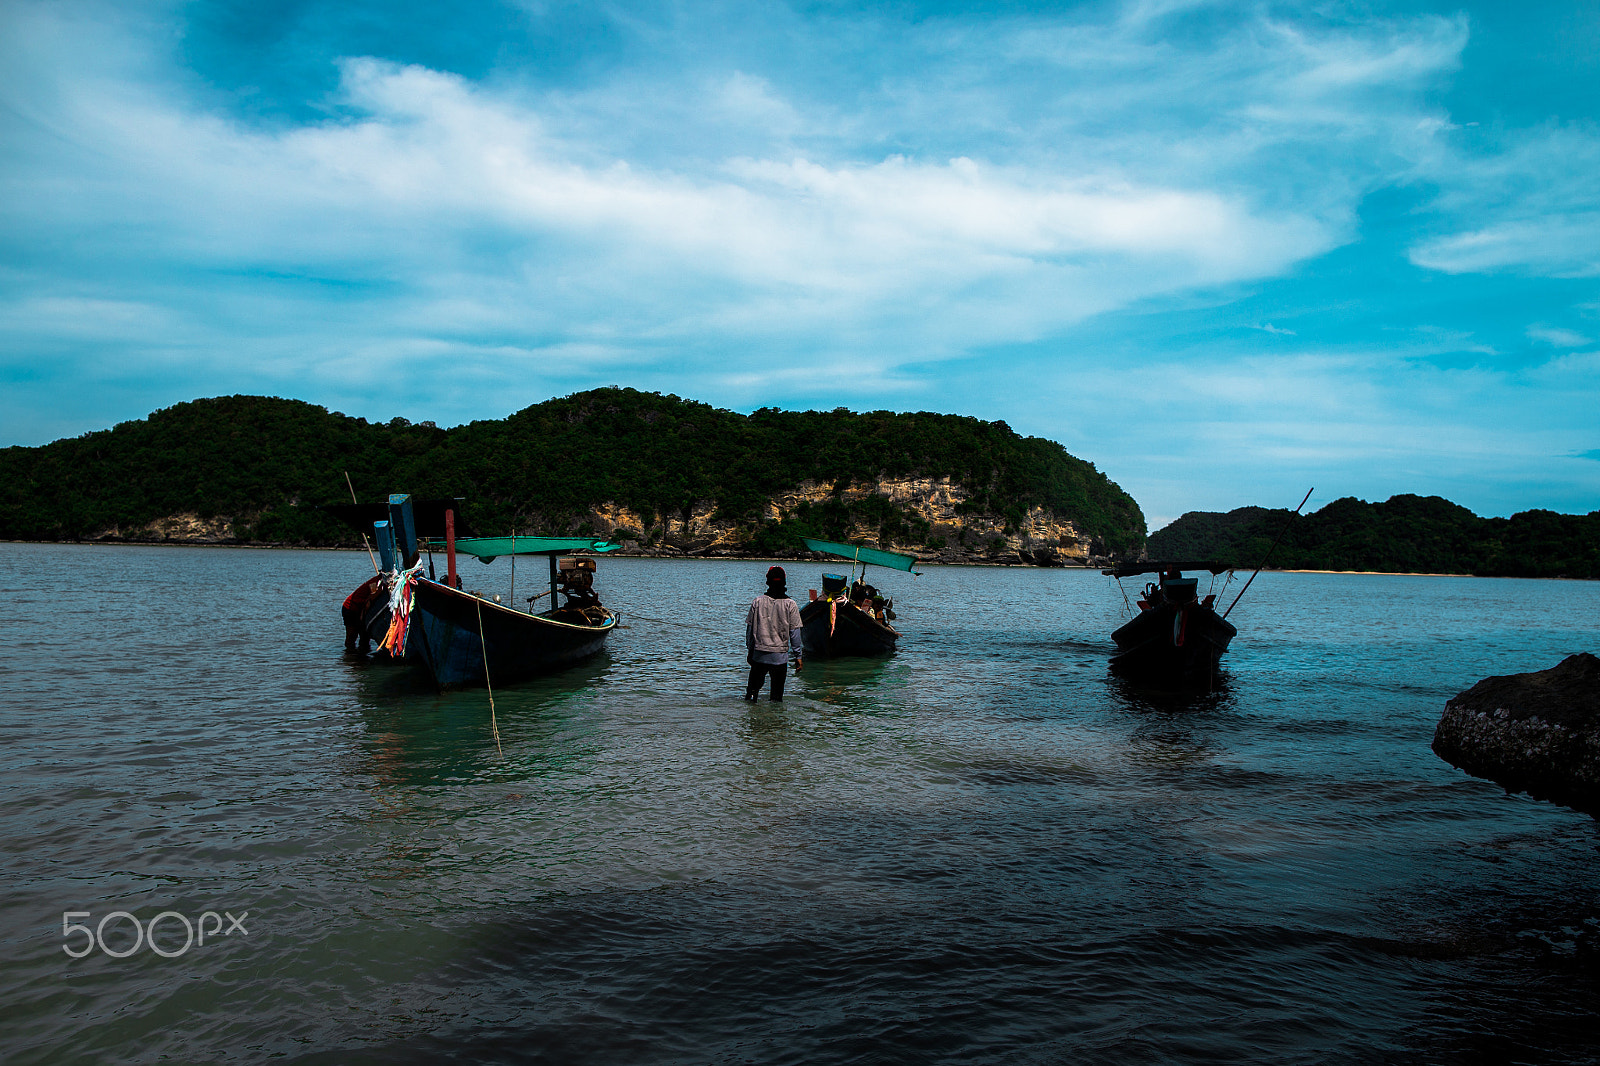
x=355, y=610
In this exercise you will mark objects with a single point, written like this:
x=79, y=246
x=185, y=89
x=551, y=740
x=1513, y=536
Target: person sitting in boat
x=1175, y=589
x=879, y=605
x=355, y=613
x=579, y=588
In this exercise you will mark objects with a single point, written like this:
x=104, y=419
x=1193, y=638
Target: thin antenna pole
x=364, y=543
x=1268, y=556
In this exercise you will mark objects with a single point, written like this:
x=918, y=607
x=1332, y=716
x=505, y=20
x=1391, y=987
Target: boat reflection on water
x=855, y=684
x=1142, y=697
x=416, y=735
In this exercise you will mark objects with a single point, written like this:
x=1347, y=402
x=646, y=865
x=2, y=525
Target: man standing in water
x=355, y=612
x=771, y=633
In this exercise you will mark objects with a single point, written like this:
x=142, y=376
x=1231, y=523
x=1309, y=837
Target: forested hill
x=1406, y=534
x=253, y=469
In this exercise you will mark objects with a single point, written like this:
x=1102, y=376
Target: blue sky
x=1223, y=251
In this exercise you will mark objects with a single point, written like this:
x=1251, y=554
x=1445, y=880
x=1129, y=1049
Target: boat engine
x=575, y=576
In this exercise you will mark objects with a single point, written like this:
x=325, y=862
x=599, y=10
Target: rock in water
x=1537, y=733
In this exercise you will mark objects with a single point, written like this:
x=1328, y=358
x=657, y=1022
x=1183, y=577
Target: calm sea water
x=980, y=850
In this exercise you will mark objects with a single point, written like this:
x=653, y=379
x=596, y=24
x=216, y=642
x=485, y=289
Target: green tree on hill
x=267, y=463
x=1405, y=534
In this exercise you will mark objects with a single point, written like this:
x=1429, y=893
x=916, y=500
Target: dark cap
x=776, y=576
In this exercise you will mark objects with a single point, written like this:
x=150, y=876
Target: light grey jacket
x=772, y=629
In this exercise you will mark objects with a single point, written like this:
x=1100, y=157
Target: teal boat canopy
x=897, y=560
x=488, y=549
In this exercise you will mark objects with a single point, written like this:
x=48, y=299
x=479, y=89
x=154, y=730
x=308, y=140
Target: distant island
x=1405, y=534
x=664, y=475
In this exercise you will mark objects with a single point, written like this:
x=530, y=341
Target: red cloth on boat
x=358, y=600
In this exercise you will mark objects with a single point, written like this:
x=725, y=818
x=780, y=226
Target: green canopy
x=897, y=560
x=488, y=549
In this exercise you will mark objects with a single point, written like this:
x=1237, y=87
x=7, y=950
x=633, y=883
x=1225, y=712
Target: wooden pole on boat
x=375, y=568
x=1268, y=556
x=450, y=547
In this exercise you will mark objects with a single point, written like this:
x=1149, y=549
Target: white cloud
x=1560, y=338
x=80, y=318
x=1577, y=373
x=750, y=100
x=424, y=162
x=1558, y=246
x=1528, y=203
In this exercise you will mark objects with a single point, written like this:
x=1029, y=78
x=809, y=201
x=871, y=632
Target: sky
x=1224, y=251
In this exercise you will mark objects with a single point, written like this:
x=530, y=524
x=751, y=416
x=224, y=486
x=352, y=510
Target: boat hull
x=852, y=632
x=1172, y=644
x=452, y=630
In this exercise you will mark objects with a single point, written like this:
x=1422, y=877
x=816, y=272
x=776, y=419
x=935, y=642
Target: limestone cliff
x=950, y=529
x=183, y=528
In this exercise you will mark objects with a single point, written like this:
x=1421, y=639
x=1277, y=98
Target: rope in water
x=670, y=622
x=484, y=644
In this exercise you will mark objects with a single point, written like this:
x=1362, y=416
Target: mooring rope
x=484, y=644
x=671, y=622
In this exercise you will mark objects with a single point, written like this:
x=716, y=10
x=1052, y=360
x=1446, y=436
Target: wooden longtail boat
x=1177, y=638
x=833, y=624
x=463, y=638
